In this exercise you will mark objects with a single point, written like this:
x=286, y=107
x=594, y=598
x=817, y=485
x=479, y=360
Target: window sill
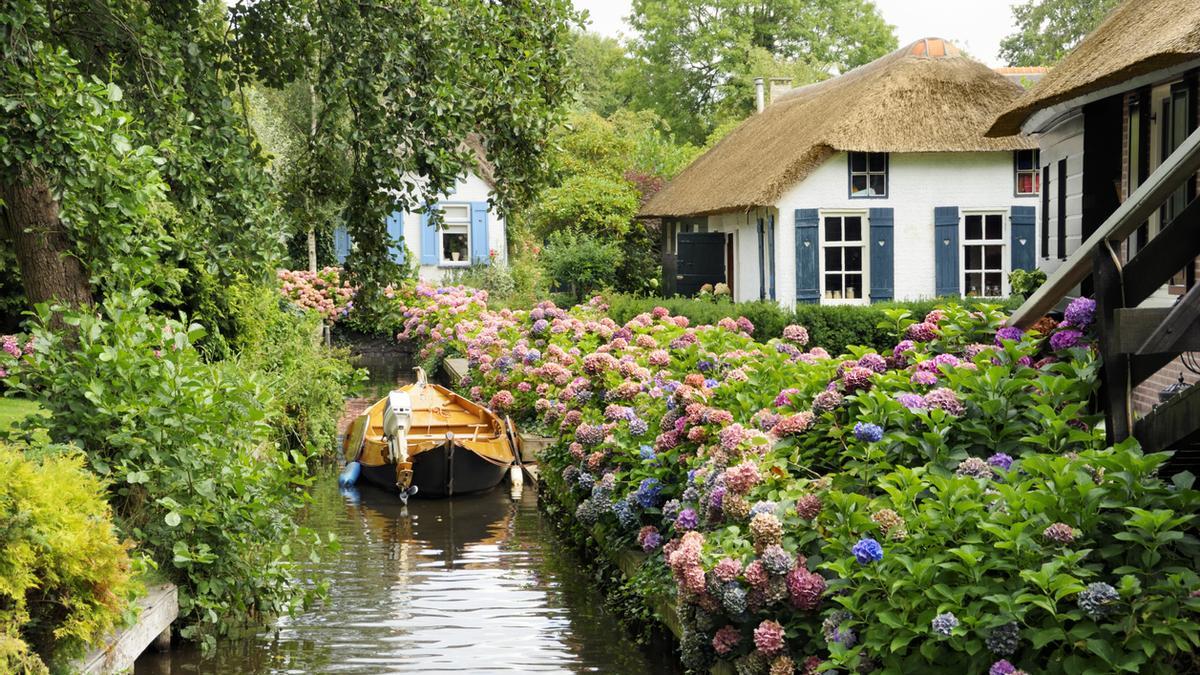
x=845, y=301
x=869, y=196
x=450, y=263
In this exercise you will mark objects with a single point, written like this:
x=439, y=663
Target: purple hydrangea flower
x=648, y=493
x=1008, y=333
x=1065, y=339
x=1002, y=667
x=687, y=520
x=867, y=551
x=1080, y=312
x=1000, y=460
x=911, y=401
x=867, y=432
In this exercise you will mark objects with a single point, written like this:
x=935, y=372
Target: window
x=868, y=174
x=843, y=246
x=1028, y=178
x=983, y=255
x=456, y=234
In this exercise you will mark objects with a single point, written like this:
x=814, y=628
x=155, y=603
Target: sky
x=977, y=26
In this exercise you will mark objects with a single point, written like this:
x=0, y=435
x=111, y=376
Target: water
x=474, y=584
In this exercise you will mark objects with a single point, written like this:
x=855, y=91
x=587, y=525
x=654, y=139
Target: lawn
x=13, y=410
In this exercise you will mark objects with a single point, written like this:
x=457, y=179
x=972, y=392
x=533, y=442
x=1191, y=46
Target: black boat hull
x=439, y=473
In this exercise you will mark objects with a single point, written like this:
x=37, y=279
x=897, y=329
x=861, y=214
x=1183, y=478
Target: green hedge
x=832, y=327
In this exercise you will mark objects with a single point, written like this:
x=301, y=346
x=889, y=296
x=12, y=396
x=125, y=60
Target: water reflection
x=475, y=584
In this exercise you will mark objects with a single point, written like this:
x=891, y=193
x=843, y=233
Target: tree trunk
x=312, y=250
x=49, y=272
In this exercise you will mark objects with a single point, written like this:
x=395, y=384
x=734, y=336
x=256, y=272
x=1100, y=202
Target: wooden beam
x=1167, y=252
x=1171, y=423
x=158, y=609
x=1167, y=178
x=1116, y=388
x=1142, y=368
x=1136, y=326
x=1182, y=323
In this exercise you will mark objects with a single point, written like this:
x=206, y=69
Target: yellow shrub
x=64, y=575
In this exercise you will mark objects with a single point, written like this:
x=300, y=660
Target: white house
x=878, y=184
x=472, y=232
x=1106, y=117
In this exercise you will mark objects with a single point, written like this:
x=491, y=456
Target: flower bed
x=945, y=506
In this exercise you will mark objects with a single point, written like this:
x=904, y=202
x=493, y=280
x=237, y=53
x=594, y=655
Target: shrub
x=308, y=382
x=1025, y=282
x=932, y=508
x=186, y=446
x=64, y=575
x=581, y=263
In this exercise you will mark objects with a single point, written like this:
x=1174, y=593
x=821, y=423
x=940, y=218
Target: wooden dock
x=158, y=610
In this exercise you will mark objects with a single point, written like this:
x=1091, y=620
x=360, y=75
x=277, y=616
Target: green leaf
x=173, y=519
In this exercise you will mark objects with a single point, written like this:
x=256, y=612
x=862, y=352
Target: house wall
x=468, y=189
x=743, y=225
x=917, y=183
x=472, y=188
x=1064, y=140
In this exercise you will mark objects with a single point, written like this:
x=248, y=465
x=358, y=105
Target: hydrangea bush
x=947, y=505
x=323, y=292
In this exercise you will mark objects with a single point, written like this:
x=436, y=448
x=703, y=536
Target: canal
x=474, y=584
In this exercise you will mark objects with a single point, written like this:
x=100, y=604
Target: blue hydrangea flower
x=647, y=452
x=705, y=365
x=867, y=551
x=670, y=510
x=586, y=480
x=762, y=507
x=625, y=513
x=944, y=624
x=867, y=432
x=648, y=493
x=710, y=383
x=532, y=356
x=638, y=426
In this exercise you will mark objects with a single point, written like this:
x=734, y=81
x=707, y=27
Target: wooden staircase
x=1137, y=342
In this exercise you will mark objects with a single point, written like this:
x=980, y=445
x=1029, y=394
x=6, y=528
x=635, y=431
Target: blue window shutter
x=1023, y=223
x=945, y=247
x=429, y=240
x=341, y=243
x=771, y=240
x=808, y=287
x=883, y=254
x=395, y=230
x=762, y=262
x=479, y=233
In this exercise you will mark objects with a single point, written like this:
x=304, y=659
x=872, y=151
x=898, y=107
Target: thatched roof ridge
x=925, y=97
x=1137, y=37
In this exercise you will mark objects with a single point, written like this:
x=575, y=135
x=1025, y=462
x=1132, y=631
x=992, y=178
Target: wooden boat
x=425, y=439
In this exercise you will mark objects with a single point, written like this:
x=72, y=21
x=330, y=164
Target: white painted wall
x=471, y=188
x=1064, y=140
x=917, y=182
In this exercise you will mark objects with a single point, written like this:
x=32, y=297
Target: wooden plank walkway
x=159, y=609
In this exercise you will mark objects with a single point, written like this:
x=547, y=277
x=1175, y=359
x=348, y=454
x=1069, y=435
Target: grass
x=13, y=410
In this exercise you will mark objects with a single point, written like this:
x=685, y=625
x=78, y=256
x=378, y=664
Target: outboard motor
x=397, y=420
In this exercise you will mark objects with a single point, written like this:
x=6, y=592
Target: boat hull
x=440, y=473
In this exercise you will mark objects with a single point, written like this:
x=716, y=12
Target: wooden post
x=1115, y=388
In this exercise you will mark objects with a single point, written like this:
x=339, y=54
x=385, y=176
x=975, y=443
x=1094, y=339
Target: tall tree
x=1048, y=29
x=402, y=83
x=123, y=160
x=695, y=54
x=602, y=70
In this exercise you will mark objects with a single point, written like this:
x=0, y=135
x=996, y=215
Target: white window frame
x=862, y=244
x=459, y=225
x=1002, y=242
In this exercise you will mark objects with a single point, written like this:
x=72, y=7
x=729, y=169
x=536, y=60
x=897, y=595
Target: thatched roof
x=926, y=97
x=1138, y=37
